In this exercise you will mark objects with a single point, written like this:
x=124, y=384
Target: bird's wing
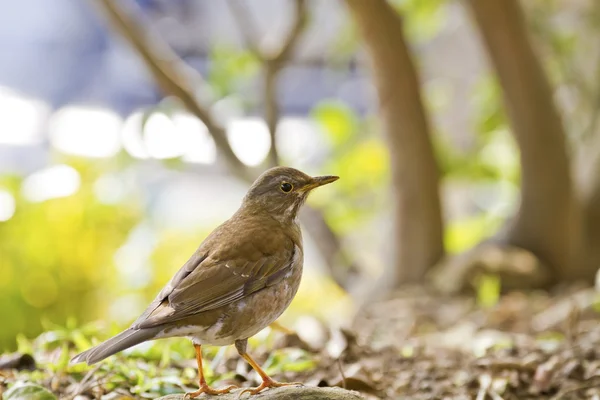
x=207, y=282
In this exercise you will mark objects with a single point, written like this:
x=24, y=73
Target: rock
x=17, y=361
x=27, y=391
x=284, y=393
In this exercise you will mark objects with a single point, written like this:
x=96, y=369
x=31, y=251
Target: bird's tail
x=115, y=344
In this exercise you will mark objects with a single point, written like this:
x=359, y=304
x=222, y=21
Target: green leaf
x=463, y=234
x=28, y=391
x=488, y=290
x=229, y=67
x=337, y=120
x=424, y=18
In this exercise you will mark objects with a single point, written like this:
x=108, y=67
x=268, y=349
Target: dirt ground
x=412, y=346
x=420, y=346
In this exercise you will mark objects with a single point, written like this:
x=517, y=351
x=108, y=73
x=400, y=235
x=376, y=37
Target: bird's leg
x=204, y=388
x=267, y=381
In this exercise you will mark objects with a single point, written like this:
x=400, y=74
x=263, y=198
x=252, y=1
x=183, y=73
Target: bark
x=547, y=222
x=591, y=224
x=415, y=176
x=591, y=189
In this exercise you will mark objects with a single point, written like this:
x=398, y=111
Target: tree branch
x=272, y=112
x=173, y=76
x=272, y=64
x=177, y=79
x=300, y=20
x=342, y=269
x=246, y=24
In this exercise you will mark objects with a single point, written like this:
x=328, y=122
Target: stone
x=283, y=393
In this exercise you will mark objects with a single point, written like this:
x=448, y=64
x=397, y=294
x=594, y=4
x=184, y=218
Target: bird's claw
x=208, y=390
x=268, y=383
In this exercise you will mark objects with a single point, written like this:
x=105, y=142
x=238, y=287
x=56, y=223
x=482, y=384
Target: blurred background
x=129, y=130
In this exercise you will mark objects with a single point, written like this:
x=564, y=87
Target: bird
x=240, y=279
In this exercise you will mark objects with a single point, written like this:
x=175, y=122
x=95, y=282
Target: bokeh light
x=51, y=183
x=85, y=131
x=249, y=140
x=22, y=118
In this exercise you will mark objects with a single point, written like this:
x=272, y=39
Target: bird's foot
x=204, y=388
x=268, y=383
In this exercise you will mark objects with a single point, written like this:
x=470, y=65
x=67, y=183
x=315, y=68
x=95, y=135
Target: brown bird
x=241, y=278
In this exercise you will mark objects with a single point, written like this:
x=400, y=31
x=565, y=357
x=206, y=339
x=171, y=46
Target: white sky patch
x=198, y=144
x=161, y=138
x=249, y=139
x=109, y=189
x=297, y=139
x=132, y=136
x=7, y=205
x=86, y=131
x=22, y=118
x=50, y=183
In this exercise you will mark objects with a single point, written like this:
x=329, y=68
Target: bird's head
x=281, y=191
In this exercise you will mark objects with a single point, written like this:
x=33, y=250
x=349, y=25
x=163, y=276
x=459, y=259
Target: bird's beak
x=319, y=181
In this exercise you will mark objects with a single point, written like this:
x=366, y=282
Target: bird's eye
x=286, y=187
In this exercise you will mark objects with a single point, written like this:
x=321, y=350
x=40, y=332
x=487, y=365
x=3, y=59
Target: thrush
x=239, y=280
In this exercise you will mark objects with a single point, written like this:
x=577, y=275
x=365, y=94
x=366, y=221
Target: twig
x=246, y=24
x=590, y=384
x=329, y=245
x=340, y=367
x=80, y=387
x=485, y=382
x=170, y=72
x=494, y=395
x=272, y=64
x=300, y=20
x=177, y=79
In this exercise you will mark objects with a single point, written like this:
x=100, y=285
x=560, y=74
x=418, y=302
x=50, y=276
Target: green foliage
x=229, y=67
x=359, y=157
x=28, y=391
x=149, y=370
x=423, y=18
x=566, y=42
x=135, y=370
x=337, y=120
x=488, y=290
x=493, y=155
x=55, y=255
x=464, y=233
x=294, y=360
x=488, y=108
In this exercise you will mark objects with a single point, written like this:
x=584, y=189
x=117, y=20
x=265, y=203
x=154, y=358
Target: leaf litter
x=415, y=345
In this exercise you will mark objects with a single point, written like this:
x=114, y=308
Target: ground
x=413, y=346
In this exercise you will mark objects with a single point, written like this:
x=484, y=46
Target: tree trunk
x=591, y=221
x=547, y=222
x=418, y=220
